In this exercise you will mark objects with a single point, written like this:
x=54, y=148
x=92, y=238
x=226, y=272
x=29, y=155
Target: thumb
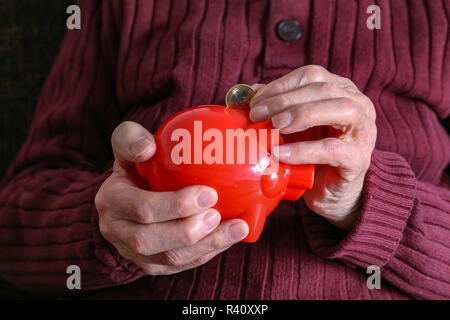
x=132, y=143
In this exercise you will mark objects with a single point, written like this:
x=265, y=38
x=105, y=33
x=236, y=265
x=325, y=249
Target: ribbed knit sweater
x=144, y=60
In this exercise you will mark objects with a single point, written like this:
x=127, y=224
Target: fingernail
x=281, y=152
x=259, y=113
x=206, y=199
x=211, y=220
x=282, y=120
x=237, y=231
x=140, y=146
x=257, y=99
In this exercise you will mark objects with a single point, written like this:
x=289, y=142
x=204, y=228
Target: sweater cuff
x=389, y=195
x=120, y=270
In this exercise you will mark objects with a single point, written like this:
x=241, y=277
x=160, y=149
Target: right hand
x=162, y=232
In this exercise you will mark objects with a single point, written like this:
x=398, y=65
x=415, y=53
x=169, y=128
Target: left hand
x=311, y=96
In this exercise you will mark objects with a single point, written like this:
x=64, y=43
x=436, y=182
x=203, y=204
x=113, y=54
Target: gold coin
x=239, y=96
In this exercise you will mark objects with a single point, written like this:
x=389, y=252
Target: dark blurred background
x=30, y=35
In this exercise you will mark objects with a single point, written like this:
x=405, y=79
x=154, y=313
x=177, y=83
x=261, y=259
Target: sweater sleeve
x=404, y=228
x=48, y=219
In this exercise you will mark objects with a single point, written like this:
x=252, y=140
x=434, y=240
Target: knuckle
x=131, y=208
x=200, y=261
x=180, y=205
x=352, y=108
x=104, y=229
x=348, y=85
x=368, y=105
x=140, y=214
x=183, y=202
x=139, y=244
x=312, y=72
x=139, y=210
x=333, y=146
x=188, y=236
x=158, y=204
x=218, y=241
x=173, y=258
x=100, y=201
x=284, y=100
x=312, y=69
x=366, y=100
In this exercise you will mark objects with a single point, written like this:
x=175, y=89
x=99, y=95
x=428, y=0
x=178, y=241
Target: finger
x=340, y=112
x=329, y=151
x=158, y=237
x=295, y=79
x=151, y=268
x=312, y=92
x=132, y=143
x=141, y=206
x=257, y=86
x=228, y=233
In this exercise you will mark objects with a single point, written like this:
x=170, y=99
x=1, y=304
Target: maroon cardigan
x=144, y=60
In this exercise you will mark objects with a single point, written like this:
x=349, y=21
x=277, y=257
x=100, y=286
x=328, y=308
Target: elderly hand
x=311, y=96
x=162, y=232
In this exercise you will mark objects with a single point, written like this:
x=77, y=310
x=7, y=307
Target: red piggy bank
x=220, y=147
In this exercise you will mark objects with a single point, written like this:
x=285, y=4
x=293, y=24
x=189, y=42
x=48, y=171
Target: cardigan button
x=289, y=30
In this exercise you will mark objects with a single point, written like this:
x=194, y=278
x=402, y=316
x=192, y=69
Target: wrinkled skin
x=168, y=232
x=311, y=96
x=162, y=232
